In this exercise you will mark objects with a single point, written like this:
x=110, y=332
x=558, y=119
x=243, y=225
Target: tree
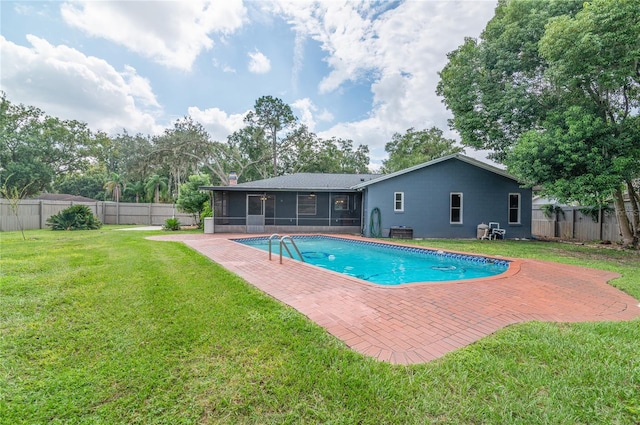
x=554, y=89
x=245, y=152
x=495, y=86
x=154, y=186
x=305, y=152
x=273, y=116
x=415, y=147
x=181, y=151
x=115, y=186
x=89, y=184
x=129, y=156
x=23, y=153
x=346, y=159
x=136, y=190
x=15, y=197
x=191, y=199
x=35, y=148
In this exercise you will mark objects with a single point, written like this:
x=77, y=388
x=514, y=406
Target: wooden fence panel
x=33, y=213
x=573, y=224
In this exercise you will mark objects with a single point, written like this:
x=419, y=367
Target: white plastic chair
x=495, y=231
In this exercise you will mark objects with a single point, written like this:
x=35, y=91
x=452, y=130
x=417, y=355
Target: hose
x=375, y=223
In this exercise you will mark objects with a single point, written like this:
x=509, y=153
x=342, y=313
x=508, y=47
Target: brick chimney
x=233, y=178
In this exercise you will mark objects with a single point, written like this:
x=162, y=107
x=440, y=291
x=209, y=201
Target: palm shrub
x=76, y=217
x=171, y=224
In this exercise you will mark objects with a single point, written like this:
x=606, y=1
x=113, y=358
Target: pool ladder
x=283, y=243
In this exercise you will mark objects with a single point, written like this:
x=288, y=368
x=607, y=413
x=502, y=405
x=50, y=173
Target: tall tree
x=181, y=151
x=273, y=116
x=130, y=156
x=415, y=147
x=155, y=185
x=305, y=152
x=89, y=184
x=21, y=148
x=115, y=186
x=495, y=86
x=36, y=148
x=554, y=89
x=247, y=153
x=135, y=190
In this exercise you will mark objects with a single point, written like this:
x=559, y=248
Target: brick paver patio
x=421, y=322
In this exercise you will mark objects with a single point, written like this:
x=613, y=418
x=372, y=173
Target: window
x=398, y=201
x=456, y=208
x=341, y=203
x=307, y=204
x=514, y=208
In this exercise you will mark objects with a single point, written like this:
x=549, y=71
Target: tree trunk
x=626, y=231
x=634, y=209
x=275, y=152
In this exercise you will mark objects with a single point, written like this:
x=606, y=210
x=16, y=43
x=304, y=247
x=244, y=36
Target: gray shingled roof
x=303, y=181
x=334, y=182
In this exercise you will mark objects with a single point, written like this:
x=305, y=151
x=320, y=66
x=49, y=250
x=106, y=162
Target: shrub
x=76, y=217
x=206, y=212
x=171, y=224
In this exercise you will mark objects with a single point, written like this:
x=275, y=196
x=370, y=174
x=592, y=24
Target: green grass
x=106, y=327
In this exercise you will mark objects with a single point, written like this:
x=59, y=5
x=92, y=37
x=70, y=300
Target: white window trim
x=451, y=207
x=519, y=208
x=395, y=201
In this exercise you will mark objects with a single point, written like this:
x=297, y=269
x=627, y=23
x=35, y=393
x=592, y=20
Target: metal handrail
x=275, y=235
x=283, y=243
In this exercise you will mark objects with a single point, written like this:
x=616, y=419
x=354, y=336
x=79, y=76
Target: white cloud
x=298, y=59
x=399, y=53
x=67, y=84
x=217, y=122
x=171, y=33
x=308, y=113
x=225, y=68
x=258, y=63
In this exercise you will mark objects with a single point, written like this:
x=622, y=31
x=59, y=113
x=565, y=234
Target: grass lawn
x=106, y=327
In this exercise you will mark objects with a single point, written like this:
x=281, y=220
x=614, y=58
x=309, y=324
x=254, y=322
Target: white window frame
x=451, y=207
x=397, y=208
x=519, y=208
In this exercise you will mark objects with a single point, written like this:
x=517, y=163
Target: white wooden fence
x=33, y=214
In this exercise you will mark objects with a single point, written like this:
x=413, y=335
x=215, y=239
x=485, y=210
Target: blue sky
x=350, y=69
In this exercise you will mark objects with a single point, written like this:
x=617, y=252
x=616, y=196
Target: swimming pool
x=385, y=264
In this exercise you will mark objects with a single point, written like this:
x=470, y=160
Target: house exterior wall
x=485, y=197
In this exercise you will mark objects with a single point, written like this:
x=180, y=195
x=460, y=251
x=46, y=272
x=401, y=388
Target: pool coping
x=420, y=322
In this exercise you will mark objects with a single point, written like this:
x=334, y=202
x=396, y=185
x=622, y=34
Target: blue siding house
x=444, y=198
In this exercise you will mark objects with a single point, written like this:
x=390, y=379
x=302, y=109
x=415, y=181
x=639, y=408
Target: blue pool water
x=384, y=264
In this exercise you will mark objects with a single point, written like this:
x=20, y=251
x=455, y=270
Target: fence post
x=600, y=217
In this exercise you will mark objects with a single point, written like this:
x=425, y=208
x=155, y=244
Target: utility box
x=208, y=225
x=483, y=231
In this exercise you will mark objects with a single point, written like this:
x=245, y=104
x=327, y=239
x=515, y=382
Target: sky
x=349, y=69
